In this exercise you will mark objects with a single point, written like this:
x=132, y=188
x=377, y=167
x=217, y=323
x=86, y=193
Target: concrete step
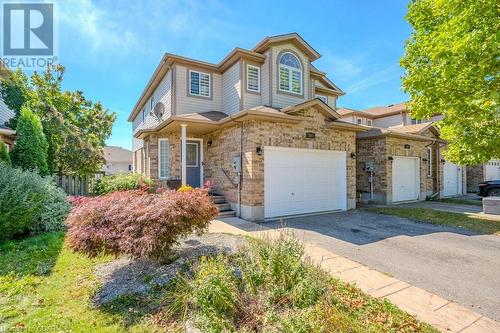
x=218, y=199
x=227, y=213
x=222, y=207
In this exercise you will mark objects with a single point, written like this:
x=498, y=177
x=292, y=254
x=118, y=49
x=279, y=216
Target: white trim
x=199, y=84
x=258, y=78
x=429, y=161
x=183, y=155
x=160, y=157
x=202, y=171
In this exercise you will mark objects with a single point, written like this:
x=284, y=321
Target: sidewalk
x=445, y=315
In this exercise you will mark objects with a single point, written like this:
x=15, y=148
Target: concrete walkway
x=445, y=315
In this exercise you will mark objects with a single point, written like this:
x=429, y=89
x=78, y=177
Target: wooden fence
x=77, y=185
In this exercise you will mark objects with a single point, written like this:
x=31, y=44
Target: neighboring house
x=482, y=172
x=7, y=135
x=261, y=125
x=118, y=160
x=400, y=158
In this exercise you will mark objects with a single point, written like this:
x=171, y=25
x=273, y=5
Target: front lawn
x=443, y=218
x=459, y=201
x=46, y=287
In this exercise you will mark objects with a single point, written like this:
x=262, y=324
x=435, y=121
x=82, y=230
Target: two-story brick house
x=399, y=158
x=261, y=125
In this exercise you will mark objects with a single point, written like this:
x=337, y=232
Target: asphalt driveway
x=455, y=264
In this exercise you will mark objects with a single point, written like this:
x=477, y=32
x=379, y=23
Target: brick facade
x=378, y=150
x=226, y=143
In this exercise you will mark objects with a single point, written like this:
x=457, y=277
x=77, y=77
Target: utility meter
x=236, y=164
x=369, y=166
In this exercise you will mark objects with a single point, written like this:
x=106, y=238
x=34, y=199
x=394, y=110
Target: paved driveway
x=454, y=264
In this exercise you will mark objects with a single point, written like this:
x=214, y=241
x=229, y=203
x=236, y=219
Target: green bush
x=30, y=150
x=29, y=203
x=121, y=182
x=4, y=154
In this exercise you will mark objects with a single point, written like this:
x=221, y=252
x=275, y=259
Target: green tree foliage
x=4, y=154
x=452, y=67
x=30, y=150
x=75, y=128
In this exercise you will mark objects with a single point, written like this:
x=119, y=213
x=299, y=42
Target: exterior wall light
x=390, y=158
x=407, y=146
x=259, y=150
x=209, y=142
x=353, y=156
x=443, y=160
x=424, y=160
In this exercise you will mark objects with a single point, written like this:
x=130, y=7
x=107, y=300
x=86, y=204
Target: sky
x=110, y=48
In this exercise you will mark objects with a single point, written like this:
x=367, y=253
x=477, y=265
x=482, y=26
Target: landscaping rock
x=129, y=276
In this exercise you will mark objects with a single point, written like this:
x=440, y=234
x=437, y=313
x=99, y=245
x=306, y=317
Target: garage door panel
x=405, y=179
x=301, y=181
x=452, y=179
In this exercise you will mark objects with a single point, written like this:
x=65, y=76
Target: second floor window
x=199, y=84
x=151, y=102
x=253, y=78
x=360, y=121
x=290, y=73
x=369, y=122
x=323, y=98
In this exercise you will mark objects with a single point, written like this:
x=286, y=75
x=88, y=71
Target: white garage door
x=299, y=181
x=452, y=179
x=405, y=179
x=492, y=171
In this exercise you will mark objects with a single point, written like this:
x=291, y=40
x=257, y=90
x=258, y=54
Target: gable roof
x=376, y=132
x=294, y=38
x=383, y=111
x=418, y=129
x=315, y=103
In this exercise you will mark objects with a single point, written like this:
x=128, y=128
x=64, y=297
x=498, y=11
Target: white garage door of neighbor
x=492, y=171
x=452, y=179
x=405, y=178
x=300, y=181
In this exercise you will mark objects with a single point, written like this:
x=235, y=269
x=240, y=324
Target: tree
x=452, y=68
x=30, y=150
x=4, y=154
x=76, y=128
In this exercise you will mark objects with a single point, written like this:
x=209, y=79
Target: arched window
x=290, y=73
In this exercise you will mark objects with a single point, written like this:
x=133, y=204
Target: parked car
x=490, y=188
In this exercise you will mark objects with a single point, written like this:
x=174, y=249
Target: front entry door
x=193, y=163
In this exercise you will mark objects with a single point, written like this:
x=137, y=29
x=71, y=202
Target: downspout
x=240, y=175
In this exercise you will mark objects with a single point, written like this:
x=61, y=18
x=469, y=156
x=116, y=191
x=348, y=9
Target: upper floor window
x=151, y=102
x=369, y=122
x=359, y=121
x=143, y=113
x=253, y=78
x=290, y=73
x=323, y=98
x=416, y=121
x=199, y=84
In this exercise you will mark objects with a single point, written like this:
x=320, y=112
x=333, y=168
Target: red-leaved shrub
x=138, y=223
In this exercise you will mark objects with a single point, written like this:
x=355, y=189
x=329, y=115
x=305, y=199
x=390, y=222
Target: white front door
x=405, y=178
x=492, y=171
x=300, y=181
x=452, y=175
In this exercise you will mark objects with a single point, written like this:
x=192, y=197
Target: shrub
x=29, y=202
x=121, y=182
x=4, y=154
x=138, y=223
x=184, y=188
x=30, y=150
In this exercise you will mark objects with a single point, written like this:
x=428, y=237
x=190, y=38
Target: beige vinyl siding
x=280, y=99
x=264, y=74
x=5, y=113
x=163, y=93
x=189, y=104
x=231, y=89
x=390, y=121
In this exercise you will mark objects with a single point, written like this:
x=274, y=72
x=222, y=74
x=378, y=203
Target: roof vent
x=390, y=105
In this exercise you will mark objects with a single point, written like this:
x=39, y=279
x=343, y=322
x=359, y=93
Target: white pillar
x=183, y=154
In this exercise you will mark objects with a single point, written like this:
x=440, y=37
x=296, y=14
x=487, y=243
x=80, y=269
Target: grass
x=269, y=288
x=459, y=201
x=443, y=218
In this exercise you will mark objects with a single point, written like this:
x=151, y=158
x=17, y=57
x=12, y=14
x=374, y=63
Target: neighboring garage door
x=452, y=179
x=492, y=171
x=405, y=178
x=299, y=181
